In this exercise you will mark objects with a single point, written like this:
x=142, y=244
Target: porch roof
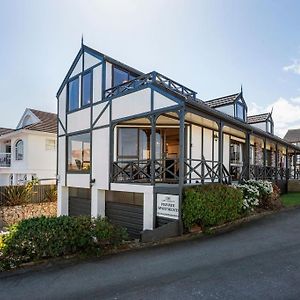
x=229, y=120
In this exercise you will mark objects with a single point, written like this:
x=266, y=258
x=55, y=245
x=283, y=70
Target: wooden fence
x=38, y=195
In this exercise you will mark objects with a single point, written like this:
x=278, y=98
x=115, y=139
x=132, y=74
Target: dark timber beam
x=153, y=150
x=265, y=158
x=294, y=163
x=276, y=163
x=220, y=150
x=181, y=165
x=247, y=158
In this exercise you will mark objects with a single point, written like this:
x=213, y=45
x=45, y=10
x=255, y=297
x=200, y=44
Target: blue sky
x=210, y=46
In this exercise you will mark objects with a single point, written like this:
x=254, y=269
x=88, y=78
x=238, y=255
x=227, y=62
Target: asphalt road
x=260, y=260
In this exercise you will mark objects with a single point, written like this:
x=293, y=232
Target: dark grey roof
x=48, y=122
x=222, y=100
x=5, y=130
x=257, y=118
x=292, y=135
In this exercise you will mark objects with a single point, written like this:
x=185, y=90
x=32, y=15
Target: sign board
x=167, y=206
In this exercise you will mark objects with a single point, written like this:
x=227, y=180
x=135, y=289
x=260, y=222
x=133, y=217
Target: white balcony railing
x=5, y=159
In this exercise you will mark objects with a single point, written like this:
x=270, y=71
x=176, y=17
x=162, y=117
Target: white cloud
x=286, y=113
x=294, y=67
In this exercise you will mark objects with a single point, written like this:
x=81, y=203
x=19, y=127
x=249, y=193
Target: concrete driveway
x=261, y=260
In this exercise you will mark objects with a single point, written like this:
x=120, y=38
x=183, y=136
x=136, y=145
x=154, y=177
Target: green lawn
x=291, y=199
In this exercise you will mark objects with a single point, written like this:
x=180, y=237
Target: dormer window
x=263, y=122
x=233, y=105
x=270, y=127
x=240, y=111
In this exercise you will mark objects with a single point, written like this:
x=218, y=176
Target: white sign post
x=167, y=206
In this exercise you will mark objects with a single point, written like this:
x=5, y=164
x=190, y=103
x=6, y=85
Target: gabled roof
x=222, y=100
x=5, y=130
x=99, y=55
x=292, y=135
x=257, y=118
x=47, y=123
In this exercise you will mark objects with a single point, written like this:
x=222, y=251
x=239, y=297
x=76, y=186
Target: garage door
x=79, y=202
x=125, y=209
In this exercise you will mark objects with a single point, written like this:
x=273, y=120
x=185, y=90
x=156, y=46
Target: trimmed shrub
x=211, y=205
x=43, y=237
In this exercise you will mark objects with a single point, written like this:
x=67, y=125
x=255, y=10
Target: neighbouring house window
x=87, y=89
x=240, y=111
x=73, y=94
x=79, y=158
x=50, y=144
x=121, y=76
x=19, y=150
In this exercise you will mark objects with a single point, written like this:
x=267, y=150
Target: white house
x=29, y=151
x=129, y=142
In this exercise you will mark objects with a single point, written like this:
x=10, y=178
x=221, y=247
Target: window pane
x=120, y=76
x=79, y=152
x=19, y=150
x=240, y=111
x=144, y=143
x=87, y=89
x=131, y=77
x=128, y=142
x=73, y=94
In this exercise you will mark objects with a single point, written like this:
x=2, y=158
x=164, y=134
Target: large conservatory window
x=121, y=76
x=73, y=94
x=87, y=89
x=134, y=143
x=19, y=150
x=79, y=153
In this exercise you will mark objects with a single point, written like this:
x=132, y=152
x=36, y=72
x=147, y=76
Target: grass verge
x=290, y=199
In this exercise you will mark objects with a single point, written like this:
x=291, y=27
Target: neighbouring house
x=129, y=142
x=29, y=151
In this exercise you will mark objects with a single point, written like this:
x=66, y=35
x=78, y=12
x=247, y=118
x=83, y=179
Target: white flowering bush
x=253, y=192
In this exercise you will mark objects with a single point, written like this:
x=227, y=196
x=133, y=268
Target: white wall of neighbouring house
x=41, y=156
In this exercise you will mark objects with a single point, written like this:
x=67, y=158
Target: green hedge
x=47, y=237
x=210, y=205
